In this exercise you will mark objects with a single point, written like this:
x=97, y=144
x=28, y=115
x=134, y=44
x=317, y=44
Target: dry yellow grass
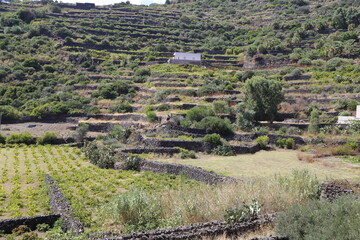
x=266, y=163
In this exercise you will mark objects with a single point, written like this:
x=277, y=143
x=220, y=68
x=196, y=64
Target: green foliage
x=21, y=230
x=265, y=94
x=214, y=139
x=113, y=90
x=2, y=139
x=288, y=143
x=263, y=141
x=243, y=213
x=217, y=125
x=244, y=117
x=223, y=150
x=119, y=134
x=9, y=113
x=198, y=113
x=163, y=107
x=314, y=121
x=221, y=107
x=102, y=157
x=132, y=163
x=151, y=116
x=50, y=109
x=43, y=227
x=137, y=210
x=184, y=154
x=81, y=132
x=142, y=72
x=321, y=220
x=47, y=138
x=121, y=108
x=25, y=138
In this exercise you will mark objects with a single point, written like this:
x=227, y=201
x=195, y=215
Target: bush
x=243, y=213
x=2, y=139
x=221, y=107
x=21, y=230
x=217, y=125
x=9, y=113
x=25, y=138
x=184, y=154
x=121, y=108
x=163, y=107
x=81, y=132
x=151, y=116
x=223, y=150
x=281, y=142
x=290, y=143
x=42, y=227
x=321, y=220
x=47, y=138
x=262, y=141
x=142, y=72
x=132, y=163
x=198, y=113
x=102, y=157
x=214, y=139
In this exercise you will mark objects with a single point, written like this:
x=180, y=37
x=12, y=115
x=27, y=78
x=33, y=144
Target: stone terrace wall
x=333, y=190
x=8, y=225
x=198, y=146
x=61, y=206
x=197, y=231
x=194, y=173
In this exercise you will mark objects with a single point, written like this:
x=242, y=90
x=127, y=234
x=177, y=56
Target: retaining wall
x=8, y=225
x=198, y=146
x=198, y=231
x=61, y=206
x=194, y=173
x=169, y=151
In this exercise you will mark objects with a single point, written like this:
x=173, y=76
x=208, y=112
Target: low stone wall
x=61, y=206
x=198, y=231
x=108, y=126
x=333, y=190
x=239, y=149
x=198, y=146
x=7, y=225
x=169, y=151
x=192, y=172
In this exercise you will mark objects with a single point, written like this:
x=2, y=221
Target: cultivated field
x=268, y=163
x=22, y=190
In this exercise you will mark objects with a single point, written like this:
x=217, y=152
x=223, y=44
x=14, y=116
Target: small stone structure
x=333, y=190
x=185, y=58
x=350, y=119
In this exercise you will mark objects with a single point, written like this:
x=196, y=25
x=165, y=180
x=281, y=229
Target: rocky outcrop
x=332, y=190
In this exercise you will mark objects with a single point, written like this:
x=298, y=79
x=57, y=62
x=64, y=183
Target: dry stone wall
x=197, y=231
x=192, y=172
x=62, y=207
x=7, y=225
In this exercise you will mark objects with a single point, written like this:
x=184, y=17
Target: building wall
x=187, y=56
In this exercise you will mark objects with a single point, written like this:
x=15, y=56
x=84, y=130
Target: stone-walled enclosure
x=7, y=225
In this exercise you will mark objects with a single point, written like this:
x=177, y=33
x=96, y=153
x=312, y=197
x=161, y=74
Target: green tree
x=314, y=121
x=266, y=95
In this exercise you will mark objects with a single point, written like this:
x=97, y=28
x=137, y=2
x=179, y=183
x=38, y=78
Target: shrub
x=142, y=72
x=81, y=132
x=217, y=125
x=121, y=108
x=221, y=107
x=163, y=107
x=214, y=139
x=102, y=157
x=21, y=230
x=9, y=113
x=262, y=141
x=321, y=220
x=342, y=150
x=25, y=138
x=281, y=142
x=290, y=143
x=132, y=163
x=243, y=213
x=223, y=150
x=151, y=116
x=42, y=227
x=2, y=139
x=187, y=154
x=198, y=113
x=47, y=138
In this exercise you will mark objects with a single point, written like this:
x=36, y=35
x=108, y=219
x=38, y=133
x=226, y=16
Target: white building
x=349, y=119
x=185, y=58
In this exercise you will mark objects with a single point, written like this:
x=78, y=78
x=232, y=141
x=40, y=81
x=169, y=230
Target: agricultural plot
x=86, y=186
x=266, y=164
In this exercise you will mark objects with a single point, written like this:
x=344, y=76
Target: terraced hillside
x=101, y=75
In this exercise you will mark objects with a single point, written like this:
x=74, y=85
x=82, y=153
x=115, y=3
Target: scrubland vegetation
x=275, y=74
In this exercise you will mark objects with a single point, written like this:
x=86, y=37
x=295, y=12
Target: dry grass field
x=268, y=163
